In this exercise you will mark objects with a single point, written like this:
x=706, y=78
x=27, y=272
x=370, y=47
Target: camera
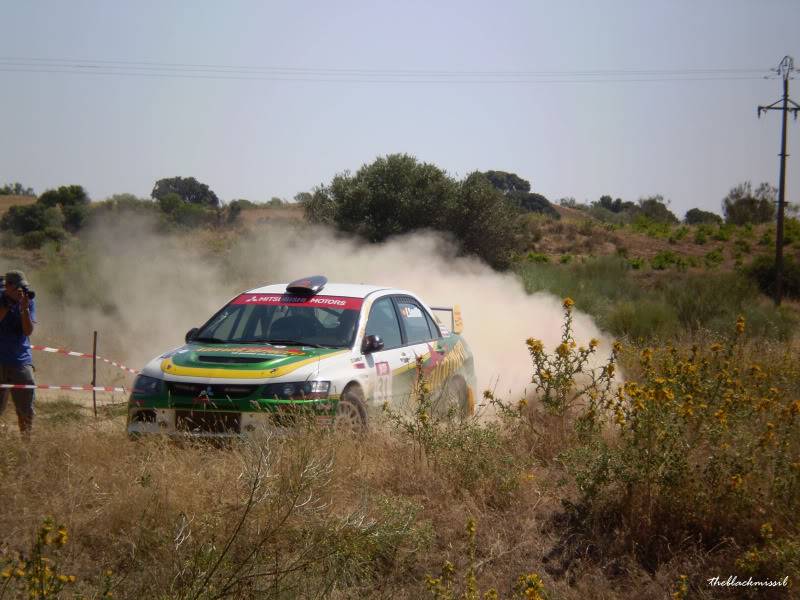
x=25, y=289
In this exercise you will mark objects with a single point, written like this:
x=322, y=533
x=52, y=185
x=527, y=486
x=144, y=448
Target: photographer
x=17, y=316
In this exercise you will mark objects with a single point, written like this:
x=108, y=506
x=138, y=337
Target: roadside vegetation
x=690, y=468
x=673, y=459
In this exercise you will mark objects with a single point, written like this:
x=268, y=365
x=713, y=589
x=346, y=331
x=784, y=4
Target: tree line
x=393, y=195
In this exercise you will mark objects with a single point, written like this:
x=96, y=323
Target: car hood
x=240, y=361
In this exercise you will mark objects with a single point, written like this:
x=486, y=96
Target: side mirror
x=191, y=334
x=371, y=343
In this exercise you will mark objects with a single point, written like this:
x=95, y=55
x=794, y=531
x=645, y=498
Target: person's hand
x=24, y=301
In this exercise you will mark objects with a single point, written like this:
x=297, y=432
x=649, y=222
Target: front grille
x=144, y=416
x=202, y=421
x=217, y=392
x=240, y=360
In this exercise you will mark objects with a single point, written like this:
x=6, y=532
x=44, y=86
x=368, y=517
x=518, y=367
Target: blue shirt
x=15, y=347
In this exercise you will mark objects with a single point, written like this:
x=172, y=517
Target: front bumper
x=210, y=423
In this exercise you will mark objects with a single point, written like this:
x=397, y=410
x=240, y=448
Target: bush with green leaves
x=745, y=205
x=714, y=258
x=762, y=270
x=187, y=188
x=791, y=231
x=397, y=194
x=32, y=217
x=652, y=228
x=666, y=259
x=16, y=189
x=695, y=216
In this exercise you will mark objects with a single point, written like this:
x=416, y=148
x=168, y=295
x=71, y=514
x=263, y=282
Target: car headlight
x=298, y=390
x=146, y=385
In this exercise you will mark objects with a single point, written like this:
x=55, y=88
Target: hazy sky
x=580, y=98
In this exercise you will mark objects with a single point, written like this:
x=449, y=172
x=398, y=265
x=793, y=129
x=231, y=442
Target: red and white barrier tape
x=45, y=386
x=84, y=355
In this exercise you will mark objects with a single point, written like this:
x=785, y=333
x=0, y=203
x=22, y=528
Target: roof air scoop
x=307, y=286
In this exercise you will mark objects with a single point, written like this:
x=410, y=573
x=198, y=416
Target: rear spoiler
x=454, y=316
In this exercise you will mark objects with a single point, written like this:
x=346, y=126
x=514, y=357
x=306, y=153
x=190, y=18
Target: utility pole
x=785, y=105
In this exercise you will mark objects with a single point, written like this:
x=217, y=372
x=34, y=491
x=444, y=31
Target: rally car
x=274, y=354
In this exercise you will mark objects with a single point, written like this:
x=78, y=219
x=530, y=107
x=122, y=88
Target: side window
x=383, y=323
x=432, y=325
x=414, y=322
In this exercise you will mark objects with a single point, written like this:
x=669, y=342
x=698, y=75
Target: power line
x=353, y=75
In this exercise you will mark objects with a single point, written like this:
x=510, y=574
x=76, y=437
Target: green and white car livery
x=338, y=352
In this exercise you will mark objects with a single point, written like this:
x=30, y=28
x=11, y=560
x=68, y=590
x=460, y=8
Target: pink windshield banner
x=340, y=302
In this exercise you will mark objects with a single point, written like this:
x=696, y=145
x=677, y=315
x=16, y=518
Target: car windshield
x=328, y=321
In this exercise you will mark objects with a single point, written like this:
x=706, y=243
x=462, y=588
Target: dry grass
x=8, y=201
x=372, y=521
x=264, y=214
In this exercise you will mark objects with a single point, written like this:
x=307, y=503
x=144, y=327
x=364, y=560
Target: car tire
x=351, y=415
x=453, y=401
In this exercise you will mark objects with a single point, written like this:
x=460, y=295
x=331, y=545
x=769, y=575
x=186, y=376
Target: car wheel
x=453, y=402
x=350, y=412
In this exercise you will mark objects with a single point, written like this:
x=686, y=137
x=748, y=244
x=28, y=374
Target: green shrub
x=537, y=257
x=723, y=232
x=700, y=236
x=66, y=195
x=32, y=217
x=679, y=234
x=33, y=240
x=791, y=231
x=55, y=233
x=695, y=216
x=565, y=259
x=762, y=271
x=644, y=319
x=714, y=258
x=767, y=239
x=651, y=228
x=742, y=246
x=666, y=259
x=636, y=263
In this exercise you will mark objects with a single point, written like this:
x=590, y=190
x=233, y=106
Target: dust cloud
x=142, y=290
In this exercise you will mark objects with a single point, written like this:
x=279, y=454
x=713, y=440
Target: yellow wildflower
x=448, y=568
x=535, y=345
x=593, y=343
x=740, y=325
x=471, y=526
x=568, y=303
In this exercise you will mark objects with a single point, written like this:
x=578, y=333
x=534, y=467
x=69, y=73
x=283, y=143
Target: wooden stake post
x=94, y=374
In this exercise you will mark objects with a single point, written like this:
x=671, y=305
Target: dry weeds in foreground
x=652, y=488
x=329, y=515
